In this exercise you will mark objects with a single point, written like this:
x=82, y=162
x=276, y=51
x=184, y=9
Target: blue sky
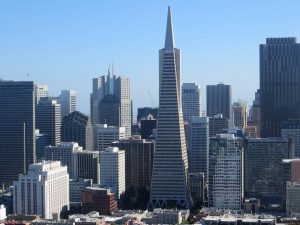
x=65, y=43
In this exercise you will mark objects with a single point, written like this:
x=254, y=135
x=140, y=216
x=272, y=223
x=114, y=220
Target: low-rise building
x=251, y=205
x=98, y=199
x=166, y=216
x=232, y=220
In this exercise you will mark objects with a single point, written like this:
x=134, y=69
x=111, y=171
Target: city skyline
x=55, y=42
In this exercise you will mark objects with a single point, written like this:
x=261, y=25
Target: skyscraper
x=112, y=170
x=86, y=165
x=191, y=101
x=63, y=152
x=145, y=112
x=239, y=111
x=41, y=90
x=279, y=83
x=198, y=145
x=218, y=100
x=263, y=168
x=226, y=172
x=76, y=127
x=67, y=101
x=169, y=185
x=104, y=135
x=109, y=110
x=17, y=129
x=118, y=104
x=217, y=124
x=254, y=113
x=138, y=160
x=48, y=119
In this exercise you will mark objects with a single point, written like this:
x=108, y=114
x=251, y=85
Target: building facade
x=67, y=101
x=254, y=113
x=63, y=152
x=119, y=87
x=293, y=199
x=77, y=187
x=86, y=165
x=43, y=191
x=290, y=173
x=263, y=168
x=218, y=100
x=48, y=119
x=98, y=199
x=17, y=129
x=197, y=187
x=240, y=114
x=226, y=172
x=145, y=112
x=76, y=127
x=291, y=130
x=217, y=124
x=198, y=145
x=191, y=101
x=139, y=155
x=169, y=187
x=41, y=90
x=112, y=170
x=279, y=83
x=104, y=135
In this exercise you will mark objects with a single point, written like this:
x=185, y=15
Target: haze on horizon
x=64, y=44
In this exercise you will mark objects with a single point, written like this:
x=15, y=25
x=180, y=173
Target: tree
x=135, y=197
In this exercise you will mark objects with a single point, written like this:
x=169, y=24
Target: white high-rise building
x=198, y=145
x=43, y=191
x=104, y=135
x=124, y=93
x=63, y=152
x=67, y=100
x=226, y=173
x=170, y=186
x=117, y=87
x=41, y=90
x=112, y=170
x=191, y=101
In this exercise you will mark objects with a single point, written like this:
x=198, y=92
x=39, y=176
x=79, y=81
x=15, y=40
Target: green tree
x=135, y=197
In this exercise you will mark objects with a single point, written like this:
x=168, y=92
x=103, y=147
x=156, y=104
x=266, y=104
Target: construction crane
x=150, y=96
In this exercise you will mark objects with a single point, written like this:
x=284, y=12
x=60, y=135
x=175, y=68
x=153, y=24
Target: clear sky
x=65, y=43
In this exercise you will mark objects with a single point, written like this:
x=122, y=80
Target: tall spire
x=169, y=42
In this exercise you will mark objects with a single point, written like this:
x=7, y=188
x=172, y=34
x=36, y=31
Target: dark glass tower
x=76, y=127
x=279, y=84
x=17, y=129
x=48, y=119
x=110, y=111
x=218, y=100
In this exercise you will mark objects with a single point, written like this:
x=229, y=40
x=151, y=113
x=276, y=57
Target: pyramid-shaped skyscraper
x=169, y=186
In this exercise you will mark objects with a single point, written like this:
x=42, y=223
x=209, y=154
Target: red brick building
x=98, y=199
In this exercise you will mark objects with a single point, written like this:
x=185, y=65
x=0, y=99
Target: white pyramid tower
x=169, y=186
